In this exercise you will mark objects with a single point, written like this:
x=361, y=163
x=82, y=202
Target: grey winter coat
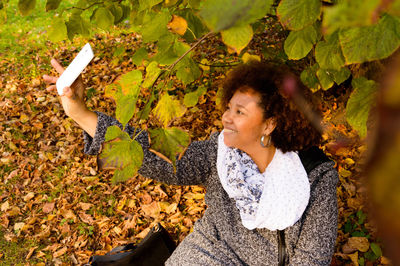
x=219, y=238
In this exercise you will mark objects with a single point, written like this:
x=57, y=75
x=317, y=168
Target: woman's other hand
x=73, y=100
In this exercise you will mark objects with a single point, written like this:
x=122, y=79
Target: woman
x=264, y=208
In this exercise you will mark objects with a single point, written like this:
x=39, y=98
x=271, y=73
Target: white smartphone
x=75, y=68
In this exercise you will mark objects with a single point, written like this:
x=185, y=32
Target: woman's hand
x=73, y=100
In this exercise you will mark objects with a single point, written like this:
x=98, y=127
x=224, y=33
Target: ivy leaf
x=224, y=14
x=170, y=142
x=238, y=37
x=155, y=26
x=299, y=43
x=168, y=108
x=328, y=53
x=369, y=43
x=309, y=78
x=58, y=30
x=152, y=72
x=26, y=6
x=359, y=104
x=298, y=14
x=192, y=98
x=103, y=18
x=52, y=4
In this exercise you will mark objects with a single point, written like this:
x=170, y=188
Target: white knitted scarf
x=275, y=199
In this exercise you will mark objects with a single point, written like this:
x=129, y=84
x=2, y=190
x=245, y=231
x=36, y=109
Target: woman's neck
x=262, y=157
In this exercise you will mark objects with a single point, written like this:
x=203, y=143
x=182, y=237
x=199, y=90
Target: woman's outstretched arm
x=73, y=101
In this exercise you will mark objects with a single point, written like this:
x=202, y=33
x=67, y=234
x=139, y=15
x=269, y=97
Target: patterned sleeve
x=319, y=230
x=191, y=169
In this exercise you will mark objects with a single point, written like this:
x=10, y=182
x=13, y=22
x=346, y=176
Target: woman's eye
x=239, y=112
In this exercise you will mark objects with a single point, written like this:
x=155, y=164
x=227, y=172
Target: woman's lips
x=228, y=130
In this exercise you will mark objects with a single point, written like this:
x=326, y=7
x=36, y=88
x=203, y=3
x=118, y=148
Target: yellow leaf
x=24, y=118
x=349, y=161
x=248, y=57
x=178, y=25
x=168, y=108
x=344, y=173
x=354, y=258
x=121, y=204
x=50, y=217
x=143, y=233
x=204, y=64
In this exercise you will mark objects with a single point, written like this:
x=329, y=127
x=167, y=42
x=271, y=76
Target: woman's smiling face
x=244, y=121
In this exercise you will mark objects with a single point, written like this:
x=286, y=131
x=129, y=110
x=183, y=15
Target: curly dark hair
x=293, y=131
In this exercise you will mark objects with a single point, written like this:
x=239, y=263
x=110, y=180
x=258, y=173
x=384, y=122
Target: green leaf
x=103, y=18
x=144, y=113
x=114, y=132
x=369, y=43
x=376, y=249
x=328, y=53
x=126, y=106
x=77, y=25
x=238, y=37
x=26, y=6
x=325, y=78
x=140, y=55
x=224, y=14
x=52, y=4
x=58, y=30
x=125, y=155
x=168, y=108
x=187, y=71
x=348, y=14
x=309, y=78
x=118, y=12
x=192, y=98
x=152, y=72
x=341, y=75
x=299, y=43
x=359, y=104
x=298, y=14
x=170, y=142
x=196, y=27
x=147, y=4
x=130, y=82
x=155, y=26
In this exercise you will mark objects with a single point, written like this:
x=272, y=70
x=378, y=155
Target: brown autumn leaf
x=153, y=209
x=86, y=218
x=85, y=206
x=359, y=243
x=60, y=252
x=48, y=207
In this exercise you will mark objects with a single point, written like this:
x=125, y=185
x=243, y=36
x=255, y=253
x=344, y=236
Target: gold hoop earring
x=263, y=139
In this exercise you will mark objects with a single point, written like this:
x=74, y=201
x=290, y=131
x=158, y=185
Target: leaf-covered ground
x=56, y=208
